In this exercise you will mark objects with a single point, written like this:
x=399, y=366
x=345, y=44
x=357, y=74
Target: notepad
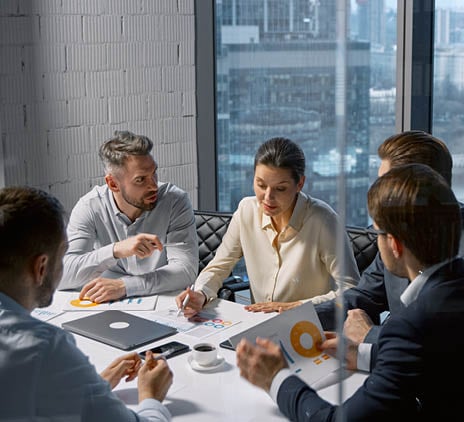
x=119, y=329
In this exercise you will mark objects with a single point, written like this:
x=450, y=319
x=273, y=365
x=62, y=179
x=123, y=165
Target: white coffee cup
x=205, y=354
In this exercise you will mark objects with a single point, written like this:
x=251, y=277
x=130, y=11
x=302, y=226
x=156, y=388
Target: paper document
x=201, y=325
x=45, y=314
x=136, y=303
x=297, y=331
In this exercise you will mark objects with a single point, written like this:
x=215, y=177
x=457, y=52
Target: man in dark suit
x=419, y=352
x=379, y=290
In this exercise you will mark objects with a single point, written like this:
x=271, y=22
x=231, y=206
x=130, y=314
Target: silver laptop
x=119, y=329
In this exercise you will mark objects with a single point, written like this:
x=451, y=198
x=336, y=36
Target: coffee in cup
x=205, y=354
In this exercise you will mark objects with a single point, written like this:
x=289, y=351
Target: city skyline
x=445, y=4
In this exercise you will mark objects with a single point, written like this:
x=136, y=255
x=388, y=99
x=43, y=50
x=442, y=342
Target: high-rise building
x=371, y=22
x=276, y=76
x=442, y=27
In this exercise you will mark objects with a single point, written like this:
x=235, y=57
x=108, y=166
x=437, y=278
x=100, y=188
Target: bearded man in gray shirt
x=116, y=232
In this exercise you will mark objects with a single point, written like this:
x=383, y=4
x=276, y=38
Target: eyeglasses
x=377, y=232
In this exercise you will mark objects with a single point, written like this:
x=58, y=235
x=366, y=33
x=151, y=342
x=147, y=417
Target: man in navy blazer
x=418, y=356
x=379, y=290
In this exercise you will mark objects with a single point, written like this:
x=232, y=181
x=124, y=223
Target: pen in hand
x=163, y=354
x=185, y=301
x=150, y=358
x=174, y=244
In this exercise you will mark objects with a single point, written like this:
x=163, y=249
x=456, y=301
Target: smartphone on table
x=171, y=349
x=226, y=344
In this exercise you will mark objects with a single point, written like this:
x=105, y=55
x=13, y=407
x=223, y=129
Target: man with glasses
x=379, y=291
x=418, y=355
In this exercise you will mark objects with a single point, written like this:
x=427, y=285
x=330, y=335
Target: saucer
x=197, y=367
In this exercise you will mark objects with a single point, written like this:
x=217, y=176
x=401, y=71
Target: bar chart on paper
x=199, y=326
x=136, y=303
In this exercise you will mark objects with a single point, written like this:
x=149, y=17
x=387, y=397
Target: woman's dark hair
x=282, y=153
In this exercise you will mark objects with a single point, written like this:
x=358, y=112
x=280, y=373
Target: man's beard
x=137, y=203
x=46, y=290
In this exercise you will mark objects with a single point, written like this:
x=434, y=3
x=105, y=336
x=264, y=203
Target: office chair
x=364, y=244
x=211, y=227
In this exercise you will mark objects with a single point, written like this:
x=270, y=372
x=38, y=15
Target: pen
x=174, y=244
x=185, y=301
x=163, y=354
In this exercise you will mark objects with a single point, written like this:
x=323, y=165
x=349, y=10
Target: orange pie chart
x=296, y=333
x=83, y=303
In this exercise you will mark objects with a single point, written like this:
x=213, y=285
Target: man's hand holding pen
x=141, y=245
x=155, y=378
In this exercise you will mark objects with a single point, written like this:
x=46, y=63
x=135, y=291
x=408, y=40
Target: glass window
x=276, y=76
x=448, y=84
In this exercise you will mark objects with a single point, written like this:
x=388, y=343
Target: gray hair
x=115, y=151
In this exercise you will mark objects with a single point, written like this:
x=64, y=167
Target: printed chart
x=136, y=303
x=300, y=347
x=297, y=331
x=45, y=314
x=199, y=326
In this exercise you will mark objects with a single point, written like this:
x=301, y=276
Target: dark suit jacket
x=378, y=291
x=419, y=356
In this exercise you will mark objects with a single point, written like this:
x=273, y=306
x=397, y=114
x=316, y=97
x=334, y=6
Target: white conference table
x=205, y=396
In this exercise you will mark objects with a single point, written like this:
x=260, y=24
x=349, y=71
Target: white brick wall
x=63, y=85
x=102, y=29
x=167, y=104
x=187, y=52
x=108, y=83
x=86, y=57
x=77, y=141
x=143, y=80
x=189, y=106
x=10, y=62
x=72, y=72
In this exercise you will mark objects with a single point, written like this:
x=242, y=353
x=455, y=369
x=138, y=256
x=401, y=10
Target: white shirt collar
x=416, y=285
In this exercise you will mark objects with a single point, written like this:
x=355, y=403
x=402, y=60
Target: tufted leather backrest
x=364, y=244
x=212, y=225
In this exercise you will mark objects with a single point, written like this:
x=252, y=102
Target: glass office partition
x=448, y=84
x=276, y=76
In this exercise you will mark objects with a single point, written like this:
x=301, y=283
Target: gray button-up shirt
x=96, y=224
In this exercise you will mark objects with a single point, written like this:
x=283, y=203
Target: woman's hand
x=268, y=307
x=194, y=304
